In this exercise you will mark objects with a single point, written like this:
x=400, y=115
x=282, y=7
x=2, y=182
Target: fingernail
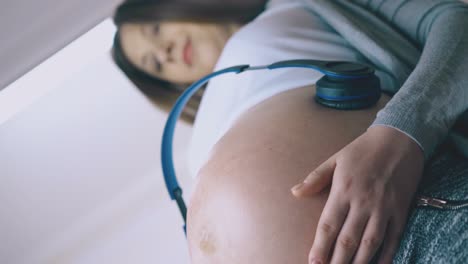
x=315, y=261
x=297, y=187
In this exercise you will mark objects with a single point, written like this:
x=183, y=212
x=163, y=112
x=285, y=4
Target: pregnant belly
x=242, y=210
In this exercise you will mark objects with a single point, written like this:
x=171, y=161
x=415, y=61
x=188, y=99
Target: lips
x=187, y=53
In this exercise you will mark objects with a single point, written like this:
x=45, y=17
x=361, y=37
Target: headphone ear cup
x=348, y=94
x=347, y=105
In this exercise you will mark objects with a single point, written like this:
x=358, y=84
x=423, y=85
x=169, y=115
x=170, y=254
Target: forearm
x=436, y=92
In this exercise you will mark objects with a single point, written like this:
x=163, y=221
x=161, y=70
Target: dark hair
x=183, y=10
x=164, y=93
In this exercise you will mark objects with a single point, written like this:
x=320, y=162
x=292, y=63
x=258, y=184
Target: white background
x=80, y=171
x=31, y=31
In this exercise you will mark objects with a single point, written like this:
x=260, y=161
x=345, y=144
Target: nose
x=164, y=53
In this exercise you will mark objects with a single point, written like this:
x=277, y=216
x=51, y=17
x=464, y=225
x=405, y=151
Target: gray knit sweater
x=422, y=47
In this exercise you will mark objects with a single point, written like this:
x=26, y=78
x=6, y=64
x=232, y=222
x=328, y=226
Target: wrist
x=396, y=138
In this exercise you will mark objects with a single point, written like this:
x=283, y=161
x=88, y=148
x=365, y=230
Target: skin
x=368, y=204
x=179, y=52
x=242, y=210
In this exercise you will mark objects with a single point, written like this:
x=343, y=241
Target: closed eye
x=155, y=29
x=157, y=65
x=153, y=62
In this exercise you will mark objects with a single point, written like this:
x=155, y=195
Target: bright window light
x=52, y=72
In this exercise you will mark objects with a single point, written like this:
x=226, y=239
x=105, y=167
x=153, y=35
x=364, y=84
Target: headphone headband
x=346, y=85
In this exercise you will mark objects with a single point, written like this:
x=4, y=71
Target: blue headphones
x=345, y=86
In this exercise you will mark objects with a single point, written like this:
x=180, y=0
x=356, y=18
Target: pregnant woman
x=257, y=134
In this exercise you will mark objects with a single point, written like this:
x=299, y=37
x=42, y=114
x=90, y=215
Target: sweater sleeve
x=436, y=92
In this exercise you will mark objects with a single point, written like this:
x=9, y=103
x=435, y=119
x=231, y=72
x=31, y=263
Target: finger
x=392, y=241
x=350, y=236
x=371, y=239
x=317, y=180
x=330, y=223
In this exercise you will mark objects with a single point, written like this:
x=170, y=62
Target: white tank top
x=285, y=31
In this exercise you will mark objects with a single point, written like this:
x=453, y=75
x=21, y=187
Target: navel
x=207, y=242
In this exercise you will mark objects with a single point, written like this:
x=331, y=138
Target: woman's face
x=180, y=52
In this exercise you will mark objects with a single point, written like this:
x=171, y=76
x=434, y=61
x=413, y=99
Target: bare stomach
x=242, y=209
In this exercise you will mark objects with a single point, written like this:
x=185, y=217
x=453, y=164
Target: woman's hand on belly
x=373, y=180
